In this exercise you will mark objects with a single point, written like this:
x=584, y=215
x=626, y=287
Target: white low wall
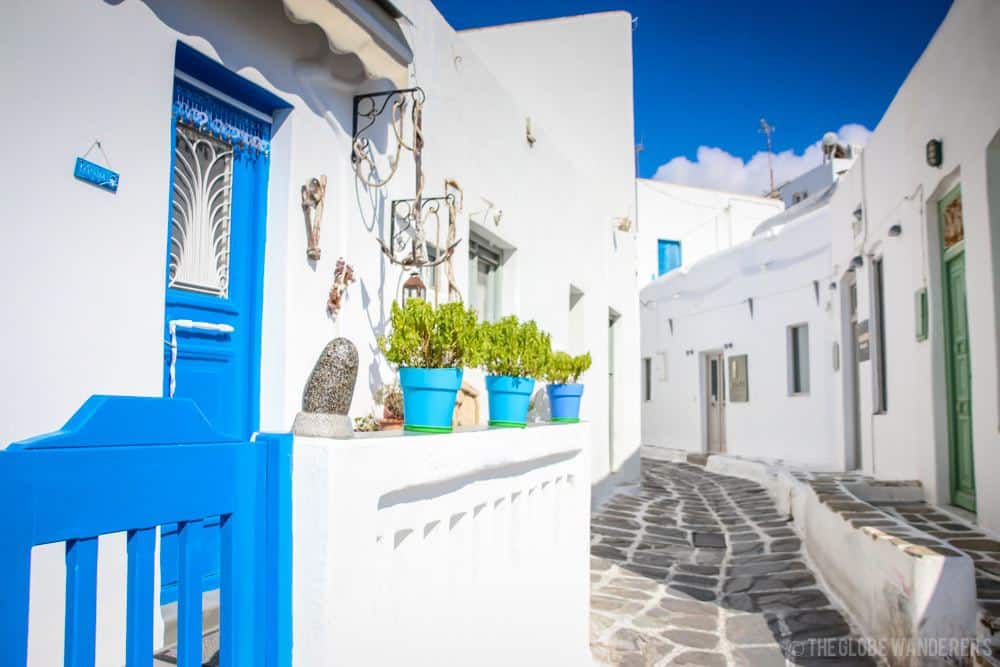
x=458, y=549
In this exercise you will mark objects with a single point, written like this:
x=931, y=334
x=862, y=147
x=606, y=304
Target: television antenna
x=767, y=130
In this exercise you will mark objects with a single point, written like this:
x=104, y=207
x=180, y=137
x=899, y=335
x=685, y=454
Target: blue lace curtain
x=204, y=112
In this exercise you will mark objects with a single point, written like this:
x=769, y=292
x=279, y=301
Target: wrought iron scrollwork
x=409, y=236
x=368, y=108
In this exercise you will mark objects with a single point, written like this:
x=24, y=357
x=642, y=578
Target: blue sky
x=707, y=70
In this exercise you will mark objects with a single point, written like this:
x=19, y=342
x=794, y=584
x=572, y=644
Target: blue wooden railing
x=133, y=464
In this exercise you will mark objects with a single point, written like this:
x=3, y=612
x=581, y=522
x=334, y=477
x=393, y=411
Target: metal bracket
x=370, y=106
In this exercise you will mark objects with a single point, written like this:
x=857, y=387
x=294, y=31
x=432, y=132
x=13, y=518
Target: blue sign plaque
x=95, y=174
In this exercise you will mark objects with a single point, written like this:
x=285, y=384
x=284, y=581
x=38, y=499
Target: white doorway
x=715, y=401
x=850, y=368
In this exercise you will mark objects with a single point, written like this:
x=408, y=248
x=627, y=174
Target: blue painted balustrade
x=133, y=464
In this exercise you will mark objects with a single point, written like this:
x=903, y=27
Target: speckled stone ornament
x=328, y=393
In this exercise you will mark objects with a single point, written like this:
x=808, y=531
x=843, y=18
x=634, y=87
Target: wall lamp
x=857, y=262
x=896, y=230
x=935, y=153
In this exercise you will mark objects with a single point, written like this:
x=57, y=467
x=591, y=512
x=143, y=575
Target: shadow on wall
x=257, y=34
x=627, y=474
x=296, y=59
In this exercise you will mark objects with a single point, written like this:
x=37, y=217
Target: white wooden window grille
x=200, y=213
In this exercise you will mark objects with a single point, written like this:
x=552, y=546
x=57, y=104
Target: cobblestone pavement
x=695, y=568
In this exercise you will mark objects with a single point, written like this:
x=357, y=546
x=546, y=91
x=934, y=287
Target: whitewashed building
x=920, y=221
x=681, y=224
x=96, y=274
x=838, y=158
x=872, y=339
x=543, y=211
x=743, y=316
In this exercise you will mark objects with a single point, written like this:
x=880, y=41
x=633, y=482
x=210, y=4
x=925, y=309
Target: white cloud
x=716, y=168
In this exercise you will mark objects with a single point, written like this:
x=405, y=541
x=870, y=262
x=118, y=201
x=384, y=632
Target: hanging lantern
x=414, y=288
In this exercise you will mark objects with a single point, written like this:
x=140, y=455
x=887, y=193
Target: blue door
x=214, y=277
x=668, y=255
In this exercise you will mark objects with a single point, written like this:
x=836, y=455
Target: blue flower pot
x=429, y=398
x=564, y=402
x=509, y=400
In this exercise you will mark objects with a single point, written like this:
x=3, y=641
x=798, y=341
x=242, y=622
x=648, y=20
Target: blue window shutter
x=668, y=255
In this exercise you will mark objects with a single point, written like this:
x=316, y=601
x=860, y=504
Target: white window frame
x=481, y=250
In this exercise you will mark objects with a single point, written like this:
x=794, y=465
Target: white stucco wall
x=469, y=548
x=704, y=221
x=817, y=179
x=951, y=95
x=708, y=306
x=87, y=313
x=578, y=243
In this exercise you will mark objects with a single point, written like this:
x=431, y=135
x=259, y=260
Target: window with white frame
x=798, y=359
x=485, y=272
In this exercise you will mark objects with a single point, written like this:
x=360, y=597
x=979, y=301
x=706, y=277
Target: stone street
x=695, y=568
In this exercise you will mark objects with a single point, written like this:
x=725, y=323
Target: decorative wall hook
x=313, y=194
x=489, y=214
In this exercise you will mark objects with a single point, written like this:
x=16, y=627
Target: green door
x=957, y=362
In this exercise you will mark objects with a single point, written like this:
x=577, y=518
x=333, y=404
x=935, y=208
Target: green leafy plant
x=426, y=337
x=514, y=348
x=564, y=368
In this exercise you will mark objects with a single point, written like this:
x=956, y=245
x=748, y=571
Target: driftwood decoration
x=410, y=236
x=451, y=186
x=313, y=194
x=343, y=275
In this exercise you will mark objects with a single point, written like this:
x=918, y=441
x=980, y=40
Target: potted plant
x=431, y=346
x=390, y=397
x=564, y=391
x=513, y=355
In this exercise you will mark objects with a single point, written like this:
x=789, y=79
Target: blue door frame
x=136, y=464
